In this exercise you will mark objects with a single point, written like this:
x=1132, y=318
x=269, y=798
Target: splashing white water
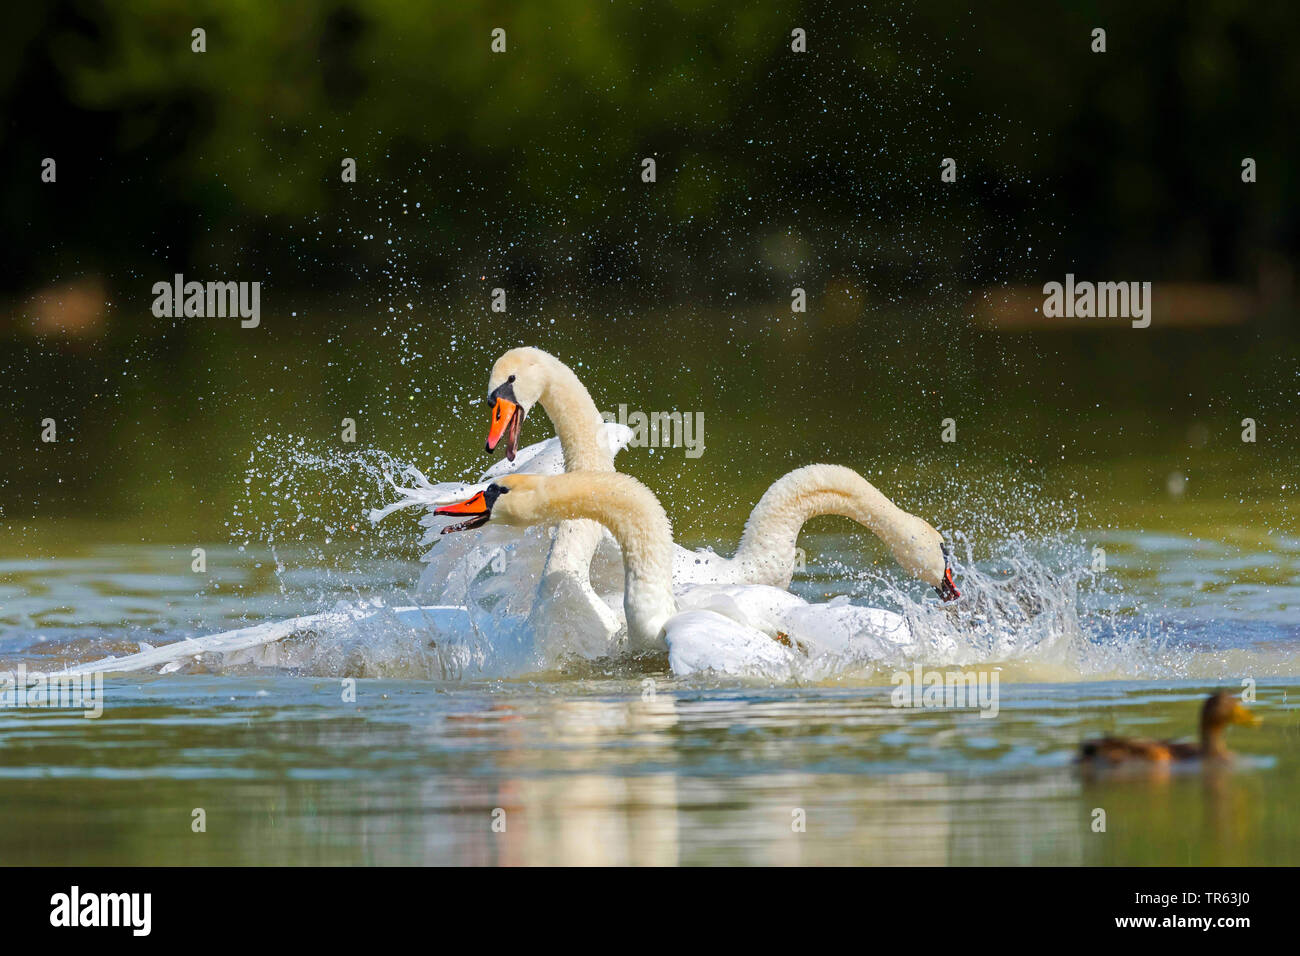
x=1030, y=606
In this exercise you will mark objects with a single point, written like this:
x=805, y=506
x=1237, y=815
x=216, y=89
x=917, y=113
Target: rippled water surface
x=618, y=762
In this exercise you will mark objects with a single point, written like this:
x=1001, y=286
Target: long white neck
x=577, y=424
x=767, y=548
x=577, y=421
x=638, y=522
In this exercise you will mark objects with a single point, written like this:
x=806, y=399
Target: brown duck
x=1219, y=711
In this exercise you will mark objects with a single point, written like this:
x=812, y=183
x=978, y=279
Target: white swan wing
x=754, y=605
x=799, y=640
x=454, y=563
x=855, y=634
x=704, y=642
x=691, y=569
x=248, y=643
x=547, y=457
x=540, y=458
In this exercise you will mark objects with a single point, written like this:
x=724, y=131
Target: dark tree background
x=775, y=169
x=1123, y=163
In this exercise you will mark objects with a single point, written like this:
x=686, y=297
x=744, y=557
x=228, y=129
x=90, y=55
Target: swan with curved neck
x=622, y=504
x=738, y=630
x=520, y=379
x=766, y=554
x=525, y=377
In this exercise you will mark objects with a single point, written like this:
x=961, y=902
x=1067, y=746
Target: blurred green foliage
x=522, y=169
x=527, y=163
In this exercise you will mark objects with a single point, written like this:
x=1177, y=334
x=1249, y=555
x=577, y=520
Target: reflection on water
x=591, y=765
x=413, y=772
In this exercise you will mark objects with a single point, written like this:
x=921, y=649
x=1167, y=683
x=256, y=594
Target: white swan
x=566, y=612
x=765, y=608
x=738, y=634
x=548, y=578
x=571, y=605
x=452, y=566
x=449, y=571
x=767, y=554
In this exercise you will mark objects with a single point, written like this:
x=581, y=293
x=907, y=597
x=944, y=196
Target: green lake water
x=1065, y=445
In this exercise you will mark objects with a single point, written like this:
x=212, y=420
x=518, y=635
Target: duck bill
x=1243, y=716
x=476, y=507
x=507, y=416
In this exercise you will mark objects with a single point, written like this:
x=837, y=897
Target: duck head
x=1226, y=708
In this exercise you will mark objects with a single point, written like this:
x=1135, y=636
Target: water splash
x=1031, y=606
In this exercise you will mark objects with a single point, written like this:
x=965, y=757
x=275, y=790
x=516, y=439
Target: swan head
x=523, y=507
x=516, y=384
